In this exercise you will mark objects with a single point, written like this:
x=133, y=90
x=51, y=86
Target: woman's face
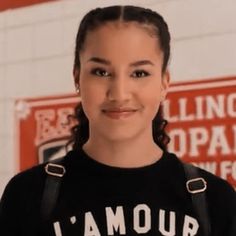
x=121, y=81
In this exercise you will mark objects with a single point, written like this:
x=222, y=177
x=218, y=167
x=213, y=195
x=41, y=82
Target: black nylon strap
x=55, y=173
x=198, y=199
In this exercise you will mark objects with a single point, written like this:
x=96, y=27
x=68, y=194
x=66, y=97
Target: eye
x=100, y=72
x=140, y=74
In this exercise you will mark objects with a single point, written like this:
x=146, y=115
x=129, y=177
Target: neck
x=126, y=153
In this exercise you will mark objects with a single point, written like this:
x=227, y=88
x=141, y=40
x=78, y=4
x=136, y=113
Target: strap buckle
x=55, y=170
x=196, y=185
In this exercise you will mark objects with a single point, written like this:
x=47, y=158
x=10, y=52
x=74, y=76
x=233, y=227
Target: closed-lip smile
x=118, y=113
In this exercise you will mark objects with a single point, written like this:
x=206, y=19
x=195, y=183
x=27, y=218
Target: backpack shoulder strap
x=55, y=171
x=197, y=186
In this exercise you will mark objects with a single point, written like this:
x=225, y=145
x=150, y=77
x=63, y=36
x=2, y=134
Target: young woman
x=119, y=178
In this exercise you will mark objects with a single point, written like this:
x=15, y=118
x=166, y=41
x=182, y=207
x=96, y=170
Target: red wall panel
x=10, y=4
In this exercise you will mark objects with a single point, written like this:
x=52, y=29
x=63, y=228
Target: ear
x=76, y=73
x=165, y=84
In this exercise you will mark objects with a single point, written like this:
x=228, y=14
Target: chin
x=120, y=136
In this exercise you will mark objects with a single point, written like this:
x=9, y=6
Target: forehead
x=122, y=26
x=124, y=36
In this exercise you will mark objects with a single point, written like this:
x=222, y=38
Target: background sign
x=43, y=128
x=201, y=115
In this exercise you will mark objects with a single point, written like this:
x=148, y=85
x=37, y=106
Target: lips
x=118, y=113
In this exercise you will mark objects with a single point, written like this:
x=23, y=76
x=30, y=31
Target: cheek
x=89, y=89
x=91, y=97
x=154, y=104
x=152, y=100
x=152, y=92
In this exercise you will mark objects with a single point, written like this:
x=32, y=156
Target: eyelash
x=103, y=73
x=137, y=73
x=100, y=72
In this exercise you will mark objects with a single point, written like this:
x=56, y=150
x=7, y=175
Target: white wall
x=37, y=43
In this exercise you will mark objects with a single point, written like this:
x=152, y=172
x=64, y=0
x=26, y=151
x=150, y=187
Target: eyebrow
x=107, y=62
x=99, y=60
x=142, y=63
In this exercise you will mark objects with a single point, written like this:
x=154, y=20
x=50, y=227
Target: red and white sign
x=201, y=115
x=43, y=128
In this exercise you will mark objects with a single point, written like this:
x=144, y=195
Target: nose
x=118, y=90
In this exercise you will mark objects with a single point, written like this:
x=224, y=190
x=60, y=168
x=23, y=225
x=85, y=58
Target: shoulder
x=221, y=201
x=21, y=194
x=33, y=176
x=29, y=175
x=24, y=182
x=23, y=191
x=215, y=183
x=218, y=189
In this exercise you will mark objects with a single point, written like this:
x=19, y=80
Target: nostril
x=117, y=95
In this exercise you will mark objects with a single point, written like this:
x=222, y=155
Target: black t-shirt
x=100, y=200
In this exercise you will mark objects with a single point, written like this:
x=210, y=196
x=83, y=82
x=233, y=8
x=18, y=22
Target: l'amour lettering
x=116, y=222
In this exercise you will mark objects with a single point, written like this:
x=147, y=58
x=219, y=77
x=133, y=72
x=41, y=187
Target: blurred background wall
x=37, y=44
